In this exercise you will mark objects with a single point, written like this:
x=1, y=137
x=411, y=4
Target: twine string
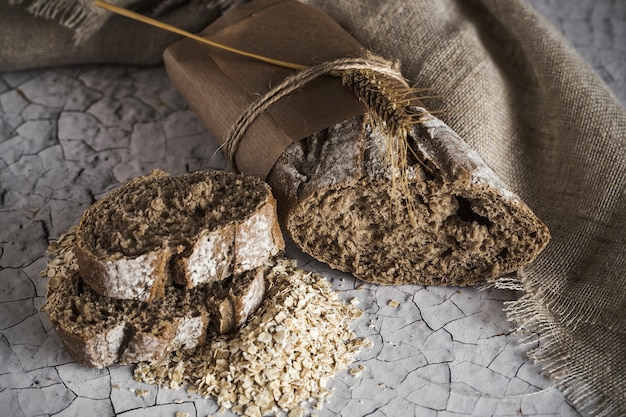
x=299, y=79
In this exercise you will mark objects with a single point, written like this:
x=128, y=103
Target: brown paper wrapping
x=220, y=85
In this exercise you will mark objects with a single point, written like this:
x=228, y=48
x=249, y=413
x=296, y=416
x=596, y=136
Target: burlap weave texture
x=93, y=36
x=512, y=87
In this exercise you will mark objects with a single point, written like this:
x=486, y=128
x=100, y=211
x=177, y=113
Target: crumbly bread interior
x=234, y=299
x=458, y=238
x=98, y=331
x=161, y=211
x=338, y=203
x=83, y=307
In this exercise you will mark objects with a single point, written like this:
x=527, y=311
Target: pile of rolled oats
x=277, y=362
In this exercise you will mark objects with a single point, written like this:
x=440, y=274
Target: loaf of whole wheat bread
x=98, y=331
x=337, y=201
x=191, y=229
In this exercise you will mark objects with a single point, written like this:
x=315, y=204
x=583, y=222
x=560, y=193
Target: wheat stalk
x=391, y=102
x=153, y=22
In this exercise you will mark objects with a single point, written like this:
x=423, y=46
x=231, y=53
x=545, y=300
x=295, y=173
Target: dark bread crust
x=336, y=202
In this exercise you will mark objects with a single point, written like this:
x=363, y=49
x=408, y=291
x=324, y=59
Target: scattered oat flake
x=141, y=392
x=356, y=371
x=182, y=414
x=393, y=303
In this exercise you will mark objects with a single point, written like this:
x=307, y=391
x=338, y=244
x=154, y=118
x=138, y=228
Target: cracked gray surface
x=68, y=135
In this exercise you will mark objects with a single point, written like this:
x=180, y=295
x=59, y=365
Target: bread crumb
x=182, y=414
x=393, y=303
x=280, y=359
x=357, y=370
x=141, y=392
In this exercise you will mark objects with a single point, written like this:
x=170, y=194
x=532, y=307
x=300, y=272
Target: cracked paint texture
x=69, y=135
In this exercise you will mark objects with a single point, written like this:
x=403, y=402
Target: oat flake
x=282, y=357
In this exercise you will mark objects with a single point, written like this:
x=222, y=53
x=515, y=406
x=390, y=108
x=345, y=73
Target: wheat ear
x=394, y=110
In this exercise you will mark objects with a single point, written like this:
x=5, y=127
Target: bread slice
x=98, y=331
x=336, y=202
x=233, y=300
x=192, y=229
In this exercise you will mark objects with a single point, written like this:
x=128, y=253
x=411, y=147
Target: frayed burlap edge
x=85, y=19
x=79, y=15
x=538, y=326
x=569, y=311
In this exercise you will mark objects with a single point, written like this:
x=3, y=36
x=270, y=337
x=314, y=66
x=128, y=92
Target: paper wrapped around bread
x=326, y=162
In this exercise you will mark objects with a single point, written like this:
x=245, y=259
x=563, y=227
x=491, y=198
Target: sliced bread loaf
x=98, y=331
x=192, y=229
x=337, y=203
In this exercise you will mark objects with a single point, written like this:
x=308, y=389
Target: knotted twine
x=336, y=67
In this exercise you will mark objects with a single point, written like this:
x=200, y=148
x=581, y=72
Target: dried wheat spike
x=394, y=109
x=390, y=100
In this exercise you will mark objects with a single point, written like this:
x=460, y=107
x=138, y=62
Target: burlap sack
x=59, y=32
x=510, y=85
